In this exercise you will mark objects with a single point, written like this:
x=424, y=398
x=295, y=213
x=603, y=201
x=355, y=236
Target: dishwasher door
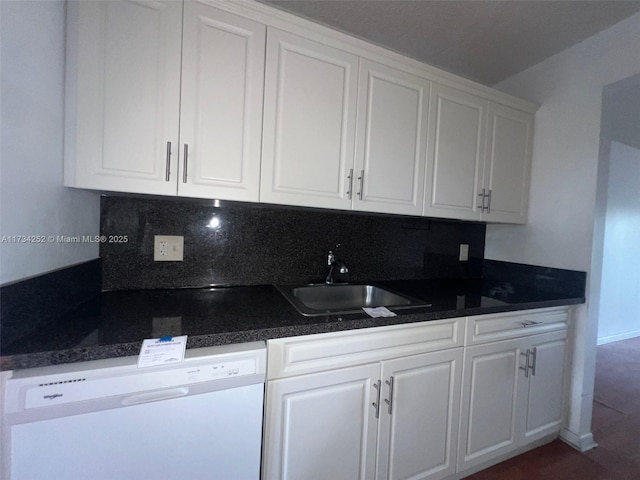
x=205, y=430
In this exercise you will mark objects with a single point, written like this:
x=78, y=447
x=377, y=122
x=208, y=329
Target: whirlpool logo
x=53, y=396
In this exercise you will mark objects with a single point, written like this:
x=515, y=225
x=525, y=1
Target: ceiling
x=486, y=41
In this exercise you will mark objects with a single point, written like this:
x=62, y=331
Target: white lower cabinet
x=511, y=395
x=544, y=395
x=417, y=433
x=430, y=400
x=387, y=419
x=490, y=407
x=322, y=425
x=164, y=98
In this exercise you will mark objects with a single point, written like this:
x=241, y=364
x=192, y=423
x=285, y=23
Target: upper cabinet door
x=391, y=140
x=455, y=154
x=221, y=109
x=122, y=120
x=507, y=166
x=309, y=123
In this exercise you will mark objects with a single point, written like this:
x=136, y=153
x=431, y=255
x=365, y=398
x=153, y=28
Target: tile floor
x=615, y=426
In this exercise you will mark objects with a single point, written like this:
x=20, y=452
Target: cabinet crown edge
x=273, y=17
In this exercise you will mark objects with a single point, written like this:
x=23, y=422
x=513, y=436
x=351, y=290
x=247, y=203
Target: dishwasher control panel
x=38, y=391
x=221, y=370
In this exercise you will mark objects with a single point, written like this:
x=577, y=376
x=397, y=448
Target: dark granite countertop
x=113, y=324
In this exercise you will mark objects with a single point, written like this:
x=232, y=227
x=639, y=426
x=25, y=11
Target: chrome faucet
x=332, y=263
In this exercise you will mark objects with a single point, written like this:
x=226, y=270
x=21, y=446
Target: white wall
x=563, y=183
x=619, y=315
x=32, y=198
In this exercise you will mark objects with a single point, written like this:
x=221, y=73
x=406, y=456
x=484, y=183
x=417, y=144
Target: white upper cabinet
x=312, y=95
x=456, y=154
x=131, y=127
x=309, y=122
x=221, y=104
x=391, y=140
x=122, y=123
x=478, y=158
x=507, y=164
x=235, y=100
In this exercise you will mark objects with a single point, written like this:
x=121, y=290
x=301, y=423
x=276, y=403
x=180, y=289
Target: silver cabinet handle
x=534, y=358
x=167, y=173
x=361, y=178
x=526, y=365
x=489, y=202
x=186, y=159
x=482, y=195
x=389, y=401
x=350, y=178
x=376, y=404
x=531, y=323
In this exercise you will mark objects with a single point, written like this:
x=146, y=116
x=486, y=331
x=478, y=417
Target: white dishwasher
x=108, y=419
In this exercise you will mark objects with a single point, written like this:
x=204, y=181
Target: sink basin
x=314, y=300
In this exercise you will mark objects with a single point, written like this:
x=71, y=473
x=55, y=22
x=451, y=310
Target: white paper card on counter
x=162, y=351
x=378, y=312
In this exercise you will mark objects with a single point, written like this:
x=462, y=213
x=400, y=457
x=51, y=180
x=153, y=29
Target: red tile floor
x=615, y=426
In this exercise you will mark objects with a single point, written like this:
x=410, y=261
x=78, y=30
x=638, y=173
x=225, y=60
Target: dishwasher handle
x=155, y=396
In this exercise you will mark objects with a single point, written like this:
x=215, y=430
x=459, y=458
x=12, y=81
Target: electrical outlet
x=168, y=248
x=464, y=252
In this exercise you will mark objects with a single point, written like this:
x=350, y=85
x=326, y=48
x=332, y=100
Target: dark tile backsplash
x=256, y=244
x=570, y=283
x=30, y=304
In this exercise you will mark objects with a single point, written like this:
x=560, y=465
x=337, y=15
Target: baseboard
x=618, y=337
x=582, y=443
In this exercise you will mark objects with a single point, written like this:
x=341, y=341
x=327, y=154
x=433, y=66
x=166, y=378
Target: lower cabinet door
x=492, y=410
x=418, y=430
x=544, y=415
x=322, y=426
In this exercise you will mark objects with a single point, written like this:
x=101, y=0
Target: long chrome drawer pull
x=534, y=359
x=167, y=173
x=376, y=404
x=361, y=178
x=186, y=159
x=389, y=401
x=483, y=196
x=526, y=365
x=531, y=323
x=350, y=178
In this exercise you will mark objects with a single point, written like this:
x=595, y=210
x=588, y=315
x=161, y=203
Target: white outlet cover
x=168, y=248
x=464, y=252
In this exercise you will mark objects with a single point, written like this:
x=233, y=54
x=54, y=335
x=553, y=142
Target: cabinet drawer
x=315, y=353
x=502, y=326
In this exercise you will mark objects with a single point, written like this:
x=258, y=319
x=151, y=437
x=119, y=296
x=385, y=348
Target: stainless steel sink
x=322, y=299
